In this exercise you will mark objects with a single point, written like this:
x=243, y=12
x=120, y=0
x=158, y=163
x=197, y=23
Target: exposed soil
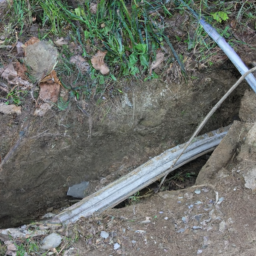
x=44, y=156
x=104, y=136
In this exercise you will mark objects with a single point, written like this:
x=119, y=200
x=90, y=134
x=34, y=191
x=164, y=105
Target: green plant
x=62, y=105
x=135, y=197
x=21, y=251
x=2, y=249
x=16, y=97
x=220, y=16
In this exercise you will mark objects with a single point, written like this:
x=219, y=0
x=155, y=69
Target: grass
x=130, y=31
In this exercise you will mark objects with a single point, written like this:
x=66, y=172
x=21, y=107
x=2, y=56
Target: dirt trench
x=99, y=142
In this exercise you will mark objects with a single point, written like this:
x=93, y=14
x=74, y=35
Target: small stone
x=104, y=234
x=116, y=246
x=70, y=252
x=11, y=247
x=78, y=190
x=185, y=219
x=220, y=200
x=197, y=191
x=51, y=241
x=166, y=218
x=196, y=227
x=199, y=251
x=222, y=226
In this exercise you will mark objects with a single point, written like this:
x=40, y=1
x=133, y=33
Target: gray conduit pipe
x=144, y=175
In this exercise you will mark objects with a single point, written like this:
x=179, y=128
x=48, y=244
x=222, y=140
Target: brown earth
x=214, y=217
x=43, y=156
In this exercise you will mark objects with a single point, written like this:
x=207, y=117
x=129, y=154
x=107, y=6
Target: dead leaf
x=10, y=109
x=9, y=74
x=20, y=69
x=61, y=41
x=52, y=77
x=31, y=41
x=80, y=63
x=2, y=42
x=99, y=64
x=157, y=62
x=49, y=89
x=12, y=76
x=42, y=109
x=93, y=8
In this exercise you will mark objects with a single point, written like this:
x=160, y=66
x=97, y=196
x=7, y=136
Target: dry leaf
x=31, y=41
x=10, y=109
x=50, y=88
x=99, y=64
x=80, y=63
x=20, y=69
x=157, y=62
x=93, y=8
x=61, y=41
x=52, y=77
x=42, y=109
x=2, y=42
x=9, y=74
x=12, y=76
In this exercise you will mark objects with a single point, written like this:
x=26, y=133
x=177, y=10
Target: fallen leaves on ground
x=98, y=62
x=80, y=63
x=31, y=41
x=14, y=74
x=157, y=62
x=9, y=109
x=50, y=88
x=61, y=41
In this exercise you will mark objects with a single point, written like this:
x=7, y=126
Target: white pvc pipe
x=230, y=52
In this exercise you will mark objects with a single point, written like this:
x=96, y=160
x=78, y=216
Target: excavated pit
x=43, y=156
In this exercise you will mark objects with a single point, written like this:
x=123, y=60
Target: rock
x=116, y=246
x=104, y=234
x=78, y=190
x=51, y=241
x=71, y=252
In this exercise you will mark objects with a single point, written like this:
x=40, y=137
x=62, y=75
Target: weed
x=62, y=105
x=134, y=198
x=220, y=16
x=2, y=249
x=16, y=97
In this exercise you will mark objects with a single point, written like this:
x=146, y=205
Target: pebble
x=197, y=191
x=51, y=241
x=104, y=234
x=116, y=246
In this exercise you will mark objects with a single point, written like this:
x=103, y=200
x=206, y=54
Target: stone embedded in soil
x=104, y=234
x=78, y=190
x=116, y=246
x=51, y=241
